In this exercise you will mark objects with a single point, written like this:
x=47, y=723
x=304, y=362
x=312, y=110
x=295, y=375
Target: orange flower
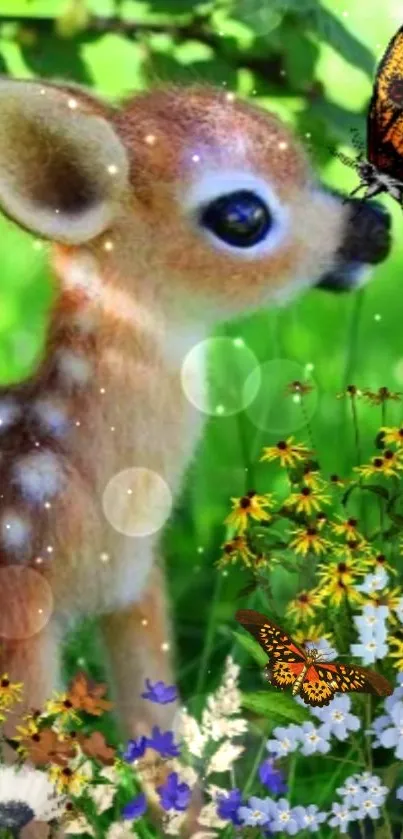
x=96, y=747
x=44, y=746
x=88, y=697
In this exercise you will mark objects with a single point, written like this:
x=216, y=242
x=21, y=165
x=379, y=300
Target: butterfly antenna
x=357, y=142
x=348, y=161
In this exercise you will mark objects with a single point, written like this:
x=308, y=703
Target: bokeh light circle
x=278, y=406
x=137, y=502
x=217, y=376
x=26, y=602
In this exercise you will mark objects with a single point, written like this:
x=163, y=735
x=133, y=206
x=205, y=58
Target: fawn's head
x=187, y=195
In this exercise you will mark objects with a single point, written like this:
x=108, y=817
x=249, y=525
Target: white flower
x=224, y=757
x=111, y=774
x=204, y=834
x=188, y=730
x=120, y=830
x=225, y=727
x=208, y=816
x=78, y=826
x=102, y=795
x=27, y=794
x=173, y=823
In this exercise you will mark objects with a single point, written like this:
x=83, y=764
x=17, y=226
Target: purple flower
x=271, y=777
x=366, y=805
x=228, y=806
x=286, y=740
x=341, y=816
x=337, y=717
x=309, y=818
x=163, y=742
x=258, y=812
x=285, y=819
x=173, y=795
x=393, y=735
x=135, y=808
x=160, y=692
x=135, y=749
x=313, y=739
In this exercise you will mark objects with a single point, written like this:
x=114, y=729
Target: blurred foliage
x=311, y=62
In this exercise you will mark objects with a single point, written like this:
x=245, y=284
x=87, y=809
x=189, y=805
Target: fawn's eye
x=240, y=218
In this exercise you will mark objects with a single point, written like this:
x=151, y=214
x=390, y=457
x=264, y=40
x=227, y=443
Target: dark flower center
x=306, y=491
x=388, y=455
x=311, y=531
x=67, y=772
x=36, y=738
x=342, y=567
x=303, y=598
x=5, y=683
x=15, y=815
x=352, y=522
x=244, y=502
x=334, y=478
x=352, y=390
x=282, y=445
x=381, y=558
x=378, y=462
x=67, y=704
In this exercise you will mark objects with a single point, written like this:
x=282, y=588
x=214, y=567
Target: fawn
x=180, y=207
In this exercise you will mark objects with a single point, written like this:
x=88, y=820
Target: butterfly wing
x=385, y=114
x=275, y=642
x=322, y=681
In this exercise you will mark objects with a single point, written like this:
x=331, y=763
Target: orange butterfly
x=382, y=171
x=305, y=670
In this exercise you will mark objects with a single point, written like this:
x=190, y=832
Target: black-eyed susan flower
x=351, y=391
x=389, y=597
x=306, y=500
x=392, y=435
x=69, y=781
x=236, y=549
x=346, y=527
x=249, y=506
x=387, y=464
x=299, y=388
x=308, y=539
x=10, y=692
x=312, y=478
x=336, y=481
x=383, y=394
x=303, y=606
x=376, y=561
x=347, y=570
x=337, y=591
x=61, y=706
x=396, y=652
x=355, y=549
x=287, y=452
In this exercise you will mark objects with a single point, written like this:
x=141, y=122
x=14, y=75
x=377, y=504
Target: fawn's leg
x=34, y=662
x=138, y=641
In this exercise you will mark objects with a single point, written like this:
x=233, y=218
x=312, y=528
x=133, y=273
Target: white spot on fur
x=52, y=415
x=9, y=413
x=39, y=476
x=73, y=367
x=15, y=531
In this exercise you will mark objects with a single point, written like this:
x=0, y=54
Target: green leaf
x=397, y=518
x=377, y=490
x=269, y=703
x=331, y=29
x=252, y=647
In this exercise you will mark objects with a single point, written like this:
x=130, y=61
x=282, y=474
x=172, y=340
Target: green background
x=313, y=63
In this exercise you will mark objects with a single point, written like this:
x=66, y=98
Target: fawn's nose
x=366, y=241
x=367, y=235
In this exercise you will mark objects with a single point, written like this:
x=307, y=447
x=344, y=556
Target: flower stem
x=307, y=422
x=356, y=429
x=252, y=774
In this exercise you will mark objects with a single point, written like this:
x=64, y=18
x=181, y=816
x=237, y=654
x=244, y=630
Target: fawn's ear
x=63, y=170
